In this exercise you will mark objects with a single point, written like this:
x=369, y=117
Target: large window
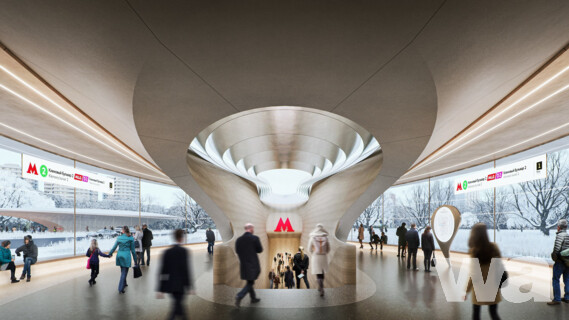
x=521, y=217
x=62, y=220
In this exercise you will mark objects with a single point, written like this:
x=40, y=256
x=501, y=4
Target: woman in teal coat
x=126, y=248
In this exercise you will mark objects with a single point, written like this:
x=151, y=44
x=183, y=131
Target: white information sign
x=522, y=171
x=443, y=225
x=51, y=172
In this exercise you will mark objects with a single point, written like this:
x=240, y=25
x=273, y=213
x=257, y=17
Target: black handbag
x=433, y=261
x=137, y=272
x=504, y=278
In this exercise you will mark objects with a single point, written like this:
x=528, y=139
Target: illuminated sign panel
x=51, y=172
x=522, y=171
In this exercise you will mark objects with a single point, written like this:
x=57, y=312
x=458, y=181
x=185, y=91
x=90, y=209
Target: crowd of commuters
x=175, y=274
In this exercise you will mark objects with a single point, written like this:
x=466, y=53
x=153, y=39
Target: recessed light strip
x=424, y=175
x=63, y=121
x=131, y=154
x=503, y=122
x=521, y=99
x=77, y=154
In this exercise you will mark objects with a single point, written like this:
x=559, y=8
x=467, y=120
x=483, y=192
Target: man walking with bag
x=247, y=247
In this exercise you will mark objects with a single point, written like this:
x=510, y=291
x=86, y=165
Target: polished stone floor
x=399, y=294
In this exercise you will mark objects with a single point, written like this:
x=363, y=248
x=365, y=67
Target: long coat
x=485, y=268
x=175, y=274
x=126, y=248
x=247, y=247
x=412, y=237
x=319, y=247
x=361, y=231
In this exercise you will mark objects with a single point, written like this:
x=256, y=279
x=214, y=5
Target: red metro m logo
x=32, y=169
x=284, y=226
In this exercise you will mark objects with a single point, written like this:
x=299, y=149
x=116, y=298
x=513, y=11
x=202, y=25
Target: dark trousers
x=139, y=257
x=12, y=267
x=380, y=245
x=248, y=288
x=94, y=271
x=400, y=249
x=372, y=243
x=210, y=247
x=559, y=269
x=493, y=312
x=28, y=266
x=147, y=250
x=427, y=261
x=296, y=273
x=178, y=307
x=412, y=254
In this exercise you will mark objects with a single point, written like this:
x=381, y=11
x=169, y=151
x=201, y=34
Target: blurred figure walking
x=428, y=245
x=484, y=250
x=210, y=238
x=401, y=232
x=361, y=231
x=319, y=246
x=301, y=263
x=247, y=247
x=176, y=275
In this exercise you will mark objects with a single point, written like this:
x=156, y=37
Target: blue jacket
x=126, y=248
x=95, y=257
x=5, y=256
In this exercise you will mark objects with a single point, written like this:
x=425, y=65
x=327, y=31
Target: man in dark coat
x=412, y=238
x=147, y=238
x=401, y=231
x=210, y=238
x=176, y=275
x=247, y=247
x=30, y=251
x=301, y=263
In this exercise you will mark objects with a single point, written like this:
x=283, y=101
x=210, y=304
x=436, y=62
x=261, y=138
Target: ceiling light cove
x=284, y=150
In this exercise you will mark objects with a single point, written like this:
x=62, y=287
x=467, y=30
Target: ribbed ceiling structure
x=284, y=150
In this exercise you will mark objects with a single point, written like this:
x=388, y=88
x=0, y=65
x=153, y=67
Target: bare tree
x=483, y=207
x=371, y=214
x=416, y=206
x=541, y=203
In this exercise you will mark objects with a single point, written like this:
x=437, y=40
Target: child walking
x=93, y=253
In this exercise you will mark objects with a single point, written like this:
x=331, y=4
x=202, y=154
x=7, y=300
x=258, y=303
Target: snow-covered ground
x=60, y=244
x=512, y=243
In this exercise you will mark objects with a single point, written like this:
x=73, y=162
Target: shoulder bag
x=89, y=260
x=434, y=260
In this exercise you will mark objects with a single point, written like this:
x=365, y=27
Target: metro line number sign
x=51, y=172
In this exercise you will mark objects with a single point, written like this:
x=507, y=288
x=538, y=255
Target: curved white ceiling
x=284, y=150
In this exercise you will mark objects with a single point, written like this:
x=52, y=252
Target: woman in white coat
x=319, y=246
x=138, y=244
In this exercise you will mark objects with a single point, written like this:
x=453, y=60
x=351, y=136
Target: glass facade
x=521, y=217
x=62, y=220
